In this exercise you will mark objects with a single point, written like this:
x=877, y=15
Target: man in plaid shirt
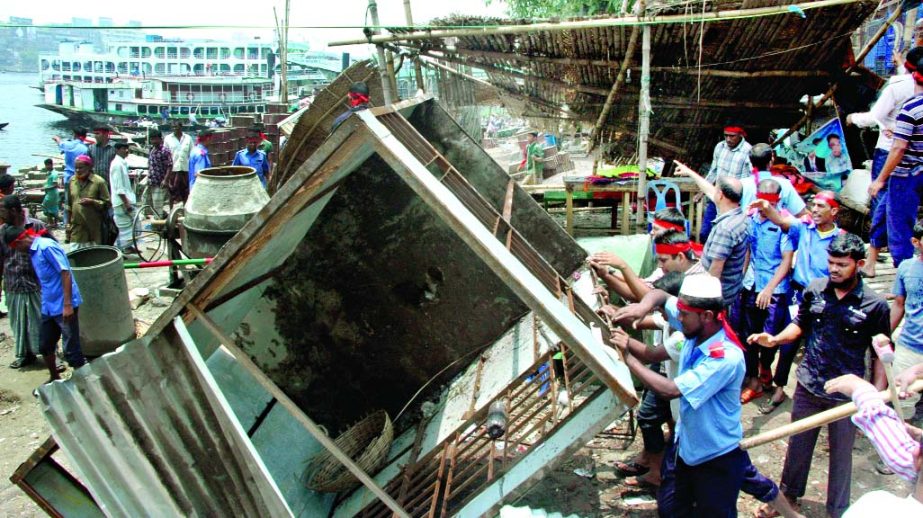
x=731, y=158
x=160, y=162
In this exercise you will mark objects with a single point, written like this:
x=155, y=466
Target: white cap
x=701, y=286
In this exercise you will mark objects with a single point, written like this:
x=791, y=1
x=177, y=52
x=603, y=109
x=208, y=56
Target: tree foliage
x=562, y=8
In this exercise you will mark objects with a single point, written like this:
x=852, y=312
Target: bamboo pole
x=244, y=359
x=285, y=21
x=380, y=51
x=417, y=69
x=616, y=86
x=714, y=16
x=814, y=421
x=644, y=116
x=826, y=97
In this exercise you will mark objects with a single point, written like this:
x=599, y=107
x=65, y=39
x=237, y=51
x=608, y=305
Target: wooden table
x=627, y=189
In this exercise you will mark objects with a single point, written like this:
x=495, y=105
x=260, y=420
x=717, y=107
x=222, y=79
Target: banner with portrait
x=824, y=158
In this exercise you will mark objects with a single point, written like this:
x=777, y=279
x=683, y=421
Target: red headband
x=770, y=197
x=728, y=332
x=675, y=249
x=356, y=99
x=669, y=226
x=826, y=198
x=735, y=129
x=24, y=234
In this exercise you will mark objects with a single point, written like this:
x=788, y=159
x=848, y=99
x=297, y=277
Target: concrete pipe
x=105, y=315
x=220, y=203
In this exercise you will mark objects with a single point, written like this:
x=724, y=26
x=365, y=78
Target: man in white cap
x=710, y=466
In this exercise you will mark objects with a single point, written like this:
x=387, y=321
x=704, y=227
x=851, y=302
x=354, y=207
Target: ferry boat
x=161, y=79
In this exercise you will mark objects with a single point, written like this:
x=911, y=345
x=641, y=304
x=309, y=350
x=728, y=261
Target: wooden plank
x=244, y=359
x=518, y=278
x=508, y=200
x=626, y=212
x=569, y=208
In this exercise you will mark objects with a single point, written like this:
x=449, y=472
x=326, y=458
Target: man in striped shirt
x=730, y=158
x=902, y=171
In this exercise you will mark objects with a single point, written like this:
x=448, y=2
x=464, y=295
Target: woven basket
x=367, y=443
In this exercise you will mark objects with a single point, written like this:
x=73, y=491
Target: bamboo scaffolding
x=534, y=28
x=619, y=81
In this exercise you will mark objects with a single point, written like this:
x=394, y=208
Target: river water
x=30, y=128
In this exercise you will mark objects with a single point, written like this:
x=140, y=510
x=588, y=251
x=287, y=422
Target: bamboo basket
x=367, y=443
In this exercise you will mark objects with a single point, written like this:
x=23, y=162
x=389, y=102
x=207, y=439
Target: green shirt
x=535, y=155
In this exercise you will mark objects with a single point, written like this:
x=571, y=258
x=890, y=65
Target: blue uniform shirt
x=909, y=284
x=48, y=261
x=709, y=407
x=256, y=160
x=71, y=149
x=811, y=259
x=767, y=243
x=788, y=196
x=198, y=160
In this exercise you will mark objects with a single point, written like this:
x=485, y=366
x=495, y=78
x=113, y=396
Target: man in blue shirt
x=60, y=296
x=838, y=318
x=765, y=300
x=908, y=305
x=789, y=199
x=199, y=158
x=710, y=466
x=253, y=157
x=71, y=149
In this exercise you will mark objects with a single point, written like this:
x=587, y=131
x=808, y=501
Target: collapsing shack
x=398, y=271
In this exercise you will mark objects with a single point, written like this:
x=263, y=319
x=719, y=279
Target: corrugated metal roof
x=147, y=431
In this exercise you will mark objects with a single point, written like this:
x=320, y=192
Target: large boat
x=161, y=79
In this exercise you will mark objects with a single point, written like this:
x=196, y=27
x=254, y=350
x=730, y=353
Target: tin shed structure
x=399, y=269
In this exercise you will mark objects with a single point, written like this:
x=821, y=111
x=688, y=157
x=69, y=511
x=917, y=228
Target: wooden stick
x=823, y=100
x=595, y=23
x=290, y=405
x=803, y=425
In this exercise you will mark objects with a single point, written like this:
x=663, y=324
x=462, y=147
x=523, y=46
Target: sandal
x=641, y=483
x=771, y=406
x=748, y=395
x=630, y=469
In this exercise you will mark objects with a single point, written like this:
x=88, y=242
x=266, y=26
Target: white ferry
x=162, y=79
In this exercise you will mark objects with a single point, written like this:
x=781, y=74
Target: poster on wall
x=826, y=161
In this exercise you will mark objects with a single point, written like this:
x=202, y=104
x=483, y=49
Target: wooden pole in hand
x=882, y=346
x=803, y=425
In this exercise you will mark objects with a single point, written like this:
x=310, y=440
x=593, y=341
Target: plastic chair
x=661, y=190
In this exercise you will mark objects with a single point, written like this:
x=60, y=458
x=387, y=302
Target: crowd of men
x=773, y=276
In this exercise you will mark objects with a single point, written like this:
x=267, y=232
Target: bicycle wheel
x=145, y=238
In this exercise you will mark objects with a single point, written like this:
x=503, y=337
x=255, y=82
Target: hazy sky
x=229, y=12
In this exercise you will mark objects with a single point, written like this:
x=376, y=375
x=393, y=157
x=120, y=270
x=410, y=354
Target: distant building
x=105, y=21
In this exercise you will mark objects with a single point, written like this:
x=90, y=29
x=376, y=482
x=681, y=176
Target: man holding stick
x=838, y=318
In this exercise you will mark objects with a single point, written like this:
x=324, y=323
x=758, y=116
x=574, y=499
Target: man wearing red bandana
x=358, y=99
x=709, y=465
x=730, y=158
x=764, y=301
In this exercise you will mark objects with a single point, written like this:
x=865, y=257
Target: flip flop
x=748, y=395
x=630, y=469
x=770, y=406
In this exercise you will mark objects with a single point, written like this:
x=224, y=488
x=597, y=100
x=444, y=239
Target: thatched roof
x=752, y=68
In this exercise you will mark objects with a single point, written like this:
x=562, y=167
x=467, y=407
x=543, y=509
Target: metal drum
x=104, y=315
x=221, y=202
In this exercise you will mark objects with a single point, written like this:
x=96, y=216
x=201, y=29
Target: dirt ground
x=22, y=426
x=603, y=494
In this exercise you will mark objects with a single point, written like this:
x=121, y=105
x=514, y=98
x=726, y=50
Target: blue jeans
x=708, y=217
x=54, y=328
x=904, y=194
x=878, y=235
